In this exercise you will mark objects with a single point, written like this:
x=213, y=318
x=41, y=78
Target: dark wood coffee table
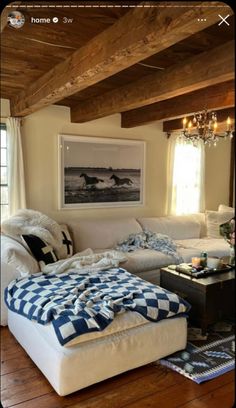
x=211, y=298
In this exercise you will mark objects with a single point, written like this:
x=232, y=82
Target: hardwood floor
x=151, y=386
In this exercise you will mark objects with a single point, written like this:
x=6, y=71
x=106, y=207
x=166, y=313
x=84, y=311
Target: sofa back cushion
x=176, y=227
x=101, y=233
x=201, y=219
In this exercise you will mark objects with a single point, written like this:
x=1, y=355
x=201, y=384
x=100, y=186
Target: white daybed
x=71, y=361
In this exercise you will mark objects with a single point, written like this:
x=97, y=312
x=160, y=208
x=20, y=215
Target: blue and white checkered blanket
x=77, y=302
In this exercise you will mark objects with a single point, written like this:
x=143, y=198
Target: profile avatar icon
x=15, y=19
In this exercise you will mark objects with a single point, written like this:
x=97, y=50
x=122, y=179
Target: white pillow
x=213, y=221
x=14, y=254
x=224, y=208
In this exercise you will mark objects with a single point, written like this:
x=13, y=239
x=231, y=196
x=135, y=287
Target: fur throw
x=34, y=222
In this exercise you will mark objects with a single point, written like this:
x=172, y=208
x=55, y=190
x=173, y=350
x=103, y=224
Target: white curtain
x=186, y=176
x=16, y=179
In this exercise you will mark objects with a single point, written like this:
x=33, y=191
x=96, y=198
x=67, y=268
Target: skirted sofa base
x=70, y=369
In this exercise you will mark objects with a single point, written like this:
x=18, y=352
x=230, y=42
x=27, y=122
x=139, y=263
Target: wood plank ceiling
x=149, y=63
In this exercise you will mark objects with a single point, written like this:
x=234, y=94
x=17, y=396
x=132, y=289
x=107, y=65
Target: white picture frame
x=100, y=172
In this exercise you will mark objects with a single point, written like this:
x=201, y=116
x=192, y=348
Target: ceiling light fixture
x=204, y=127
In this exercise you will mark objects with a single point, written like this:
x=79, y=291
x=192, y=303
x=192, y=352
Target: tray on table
x=203, y=272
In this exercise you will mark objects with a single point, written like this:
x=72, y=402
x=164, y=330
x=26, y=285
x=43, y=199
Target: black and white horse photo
x=101, y=185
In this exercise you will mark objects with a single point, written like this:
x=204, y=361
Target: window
x=4, y=173
x=187, y=178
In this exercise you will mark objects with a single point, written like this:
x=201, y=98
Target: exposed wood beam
x=177, y=124
x=139, y=34
x=200, y=71
x=213, y=97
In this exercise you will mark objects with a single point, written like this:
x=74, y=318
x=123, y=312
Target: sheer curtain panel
x=186, y=176
x=16, y=179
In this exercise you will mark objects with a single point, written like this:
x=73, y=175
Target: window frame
x=6, y=205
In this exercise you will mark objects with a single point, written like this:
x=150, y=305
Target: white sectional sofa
x=189, y=233
x=131, y=340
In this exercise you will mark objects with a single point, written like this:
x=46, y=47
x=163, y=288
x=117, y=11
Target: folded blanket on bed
x=150, y=240
x=78, y=302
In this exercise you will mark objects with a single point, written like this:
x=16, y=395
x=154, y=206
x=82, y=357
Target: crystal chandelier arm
x=204, y=127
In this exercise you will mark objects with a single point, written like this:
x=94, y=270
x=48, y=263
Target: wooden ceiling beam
x=139, y=34
x=213, y=97
x=206, y=69
x=177, y=124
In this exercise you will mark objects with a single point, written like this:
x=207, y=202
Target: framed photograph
x=98, y=172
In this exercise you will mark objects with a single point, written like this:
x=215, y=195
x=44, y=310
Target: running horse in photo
x=90, y=181
x=121, y=181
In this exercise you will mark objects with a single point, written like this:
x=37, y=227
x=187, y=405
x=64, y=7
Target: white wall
x=40, y=134
x=217, y=174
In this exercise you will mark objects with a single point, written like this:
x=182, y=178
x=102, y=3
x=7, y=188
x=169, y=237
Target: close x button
x=223, y=20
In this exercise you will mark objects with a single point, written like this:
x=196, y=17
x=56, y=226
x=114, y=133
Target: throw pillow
x=67, y=244
x=213, y=221
x=42, y=252
x=224, y=208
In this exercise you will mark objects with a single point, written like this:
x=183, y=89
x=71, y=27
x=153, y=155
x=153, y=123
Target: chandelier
x=204, y=126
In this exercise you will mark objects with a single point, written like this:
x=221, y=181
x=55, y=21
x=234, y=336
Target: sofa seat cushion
x=193, y=247
x=145, y=260
x=101, y=233
x=176, y=227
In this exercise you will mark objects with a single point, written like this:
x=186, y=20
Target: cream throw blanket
x=34, y=222
x=87, y=262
